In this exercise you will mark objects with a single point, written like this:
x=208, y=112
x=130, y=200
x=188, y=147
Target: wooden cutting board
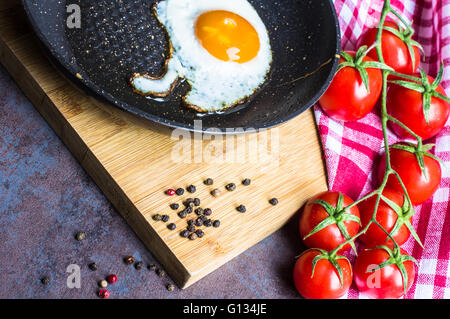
x=134, y=162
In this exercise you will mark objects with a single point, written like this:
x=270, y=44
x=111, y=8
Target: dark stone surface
x=46, y=198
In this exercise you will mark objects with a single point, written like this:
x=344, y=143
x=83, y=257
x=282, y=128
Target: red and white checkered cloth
x=351, y=148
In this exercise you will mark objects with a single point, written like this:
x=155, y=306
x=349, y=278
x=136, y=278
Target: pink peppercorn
x=111, y=278
x=103, y=293
x=170, y=192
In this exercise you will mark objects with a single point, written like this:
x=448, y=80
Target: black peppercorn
x=199, y=211
x=191, y=222
x=198, y=222
x=199, y=233
x=160, y=272
x=207, y=223
x=273, y=201
x=246, y=182
x=184, y=233
x=45, y=280
x=129, y=260
x=190, y=228
x=93, y=266
x=203, y=218
x=230, y=187
x=188, y=210
x=208, y=181
x=207, y=211
x=174, y=206
x=157, y=217
x=197, y=201
x=179, y=191
x=138, y=265
x=188, y=201
x=151, y=267
x=182, y=214
x=216, y=223
x=172, y=226
x=165, y=218
x=241, y=209
x=191, y=189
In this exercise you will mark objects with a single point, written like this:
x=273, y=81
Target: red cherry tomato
x=330, y=236
x=347, y=98
x=325, y=282
x=420, y=186
x=406, y=105
x=383, y=283
x=395, y=51
x=386, y=217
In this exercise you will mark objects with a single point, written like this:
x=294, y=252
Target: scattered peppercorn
x=170, y=287
x=207, y=223
x=216, y=223
x=179, y=191
x=191, y=189
x=138, y=265
x=190, y=228
x=199, y=233
x=189, y=210
x=45, y=280
x=191, y=222
x=199, y=211
x=182, y=214
x=246, y=182
x=170, y=192
x=151, y=267
x=198, y=222
x=129, y=260
x=157, y=217
x=193, y=236
x=93, y=266
x=174, y=206
x=197, y=201
x=103, y=283
x=184, y=233
x=273, y=201
x=207, y=211
x=215, y=192
x=172, y=226
x=230, y=187
x=188, y=201
x=111, y=279
x=103, y=293
x=160, y=272
x=203, y=218
x=208, y=181
x=241, y=209
x=165, y=218
x=80, y=236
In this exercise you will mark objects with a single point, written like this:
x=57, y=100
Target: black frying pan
x=120, y=37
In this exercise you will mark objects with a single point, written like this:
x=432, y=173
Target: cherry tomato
x=420, y=186
x=386, y=217
x=406, y=105
x=325, y=282
x=347, y=98
x=386, y=282
x=395, y=51
x=329, y=237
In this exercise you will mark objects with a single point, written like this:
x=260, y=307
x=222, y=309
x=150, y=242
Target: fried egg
x=220, y=47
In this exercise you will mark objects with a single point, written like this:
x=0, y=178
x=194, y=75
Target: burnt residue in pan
x=119, y=38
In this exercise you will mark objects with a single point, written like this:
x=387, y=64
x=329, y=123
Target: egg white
x=215, y=84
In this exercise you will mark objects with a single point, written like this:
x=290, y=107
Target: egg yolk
x=227, y=36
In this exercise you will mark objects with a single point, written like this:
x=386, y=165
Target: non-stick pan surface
x=120, y=37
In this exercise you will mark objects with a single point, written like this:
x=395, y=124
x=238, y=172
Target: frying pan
x=117, y=38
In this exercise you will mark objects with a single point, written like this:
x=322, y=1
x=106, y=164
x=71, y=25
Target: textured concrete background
x=46, y=198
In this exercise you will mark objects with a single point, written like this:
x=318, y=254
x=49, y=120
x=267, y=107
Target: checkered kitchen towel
x=351, y=148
